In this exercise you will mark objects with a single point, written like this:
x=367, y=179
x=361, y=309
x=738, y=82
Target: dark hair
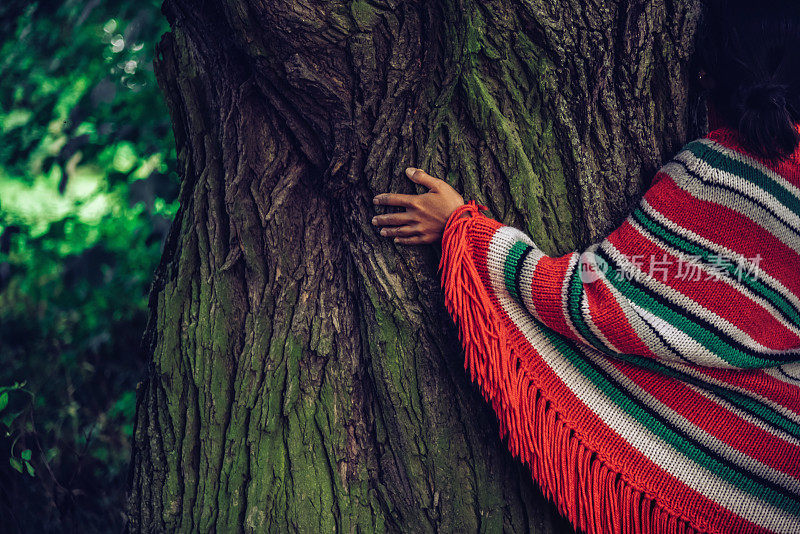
x=751, y=51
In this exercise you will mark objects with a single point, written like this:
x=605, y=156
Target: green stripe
x=685, y=446
x=510, y=267
x=751, y=281
x=574, y=298
x=760, y=409
x=697, y=332
x=723, y=162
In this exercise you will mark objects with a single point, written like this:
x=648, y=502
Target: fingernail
x=383, y=232
x=374, y=220
x=375, y=200
x=410, y=171
x=396, y=239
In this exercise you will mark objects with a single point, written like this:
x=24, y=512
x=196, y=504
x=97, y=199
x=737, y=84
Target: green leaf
x=29, y=467
x=16, y=464
x=8, y=418
x=26, y=454
x=3, y=401
x=124, y=157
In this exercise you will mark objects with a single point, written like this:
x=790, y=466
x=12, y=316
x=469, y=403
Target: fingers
x=421, y=177
x=393, y=219
x=394, y=199
x=400, y=231
x=398, y=199
x=416, y=240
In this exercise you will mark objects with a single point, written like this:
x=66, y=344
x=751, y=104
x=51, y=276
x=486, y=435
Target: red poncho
x=651, y=382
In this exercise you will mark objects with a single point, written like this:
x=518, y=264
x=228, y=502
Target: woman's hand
x=426, y=214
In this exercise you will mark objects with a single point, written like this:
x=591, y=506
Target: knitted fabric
x=651, y=382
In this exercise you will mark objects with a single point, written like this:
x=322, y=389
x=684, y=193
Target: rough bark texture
x=305, y=375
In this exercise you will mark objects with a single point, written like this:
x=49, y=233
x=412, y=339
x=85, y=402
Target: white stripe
x=735, y=257
x=788, y=373
x=744, y=187
x=684, y=343
x=733, y=455
x=743, y=158
x=589, y=320
x=756, y=214
x=526, y=281
x=750, y=418
x=783, y=410
x=526, y=271
x=636, y=322
x=692, y=306
x=589, y=259
x=571, y=266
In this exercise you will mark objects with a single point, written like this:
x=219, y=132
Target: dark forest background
x=87, y=192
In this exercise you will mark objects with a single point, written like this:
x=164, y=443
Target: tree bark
x=304, y=373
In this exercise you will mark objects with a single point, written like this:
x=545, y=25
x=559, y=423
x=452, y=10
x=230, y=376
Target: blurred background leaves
x=87, y=192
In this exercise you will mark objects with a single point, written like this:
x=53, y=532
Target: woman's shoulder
x=719, y=149
x=723, y=151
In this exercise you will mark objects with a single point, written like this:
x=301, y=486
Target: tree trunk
x=305, y=375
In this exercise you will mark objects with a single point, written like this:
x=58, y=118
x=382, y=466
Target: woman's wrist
x=467, y=210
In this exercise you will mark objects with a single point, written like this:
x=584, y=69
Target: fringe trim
x=588, y=491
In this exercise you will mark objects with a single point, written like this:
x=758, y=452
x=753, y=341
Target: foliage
x=87, y=192
x=20, y=460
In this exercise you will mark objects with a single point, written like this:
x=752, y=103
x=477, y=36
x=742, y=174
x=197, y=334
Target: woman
x=660, y=394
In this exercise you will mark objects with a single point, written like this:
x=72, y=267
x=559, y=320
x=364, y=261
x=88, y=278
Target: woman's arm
x=677, y=280
x=513, y=259
x=546, y=286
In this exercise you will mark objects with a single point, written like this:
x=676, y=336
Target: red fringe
x=592, y=495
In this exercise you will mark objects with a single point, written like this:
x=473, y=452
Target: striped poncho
x=651, y=382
